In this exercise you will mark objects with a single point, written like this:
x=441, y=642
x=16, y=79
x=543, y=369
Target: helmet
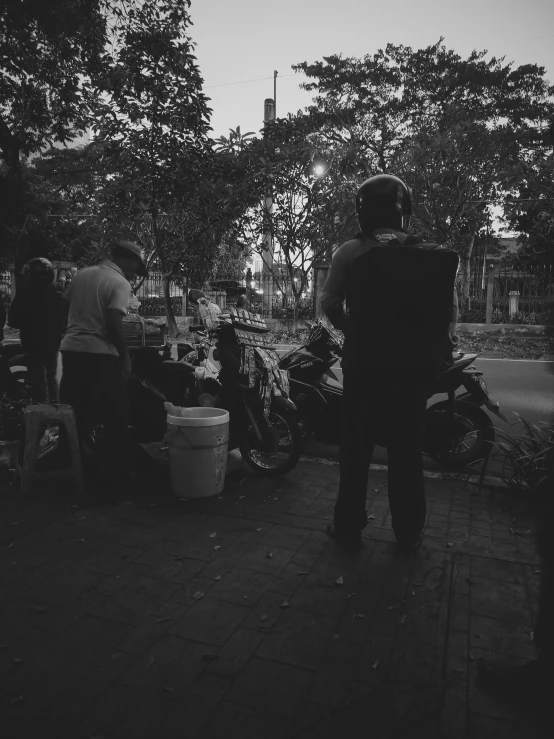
x=38, y=271
x=383, y=201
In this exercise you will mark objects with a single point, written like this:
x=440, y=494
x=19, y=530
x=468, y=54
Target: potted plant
x=11, y=424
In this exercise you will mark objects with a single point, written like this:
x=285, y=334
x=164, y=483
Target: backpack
x=399, y=303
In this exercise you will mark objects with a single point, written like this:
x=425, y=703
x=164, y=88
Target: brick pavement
x=226, y=619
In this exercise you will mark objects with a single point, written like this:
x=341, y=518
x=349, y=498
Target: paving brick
x=457, y=650
x=299, y=638
x=331, y=683
x=236, y=652
x=268, y=607
x=503, y=637
x=166, y=565
x=288, y=580
x=211, y=621
x=187, y=593
x=193, y=712
x=92, y=638
x=169, y=667
x=495, y=569
x=287, y=537
x=142, y=637
x=136, y=601
x=486, y=727
x=490, y=597
x=271, y=686
x=124, y=712
x=374, y=660
x=311, y=596
x=243, y=587
x=127, y=575
x=256, y=559
x=454, y=711
x=483, y=702
x=310, y=551
x=235, y=721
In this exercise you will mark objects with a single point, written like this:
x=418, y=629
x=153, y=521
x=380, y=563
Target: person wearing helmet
x=373, y=391
x=39, y=312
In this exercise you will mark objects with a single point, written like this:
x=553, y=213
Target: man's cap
x=136, y=251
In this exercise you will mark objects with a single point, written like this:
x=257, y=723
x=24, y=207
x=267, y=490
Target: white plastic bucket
x=197, y=451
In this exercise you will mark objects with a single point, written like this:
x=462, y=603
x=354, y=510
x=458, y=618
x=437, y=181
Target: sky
x=240, y=41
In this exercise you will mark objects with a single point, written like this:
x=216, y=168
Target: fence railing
x=518, y=292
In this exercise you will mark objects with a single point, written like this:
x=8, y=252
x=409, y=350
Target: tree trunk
x=466, y=271
x=170, y=316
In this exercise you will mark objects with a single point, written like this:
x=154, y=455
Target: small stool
x=35, y=420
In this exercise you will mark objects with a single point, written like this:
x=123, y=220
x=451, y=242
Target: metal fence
x=520, y=291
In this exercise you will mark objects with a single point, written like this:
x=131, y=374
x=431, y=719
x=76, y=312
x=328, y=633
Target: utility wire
x=243, y=82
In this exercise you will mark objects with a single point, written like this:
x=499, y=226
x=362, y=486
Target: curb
x=489, y=481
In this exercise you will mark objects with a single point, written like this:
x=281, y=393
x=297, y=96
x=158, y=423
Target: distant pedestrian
x=40, y=314
x=384, y=392
x=243, y=302
x=95, y=356
x=207, y=311
x=2, y=316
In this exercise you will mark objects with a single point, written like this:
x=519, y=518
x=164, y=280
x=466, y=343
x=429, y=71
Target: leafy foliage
x=526, y=458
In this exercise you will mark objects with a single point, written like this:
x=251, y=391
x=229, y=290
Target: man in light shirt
x=95, y=357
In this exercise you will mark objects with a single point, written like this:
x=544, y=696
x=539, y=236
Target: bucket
x=197, y=451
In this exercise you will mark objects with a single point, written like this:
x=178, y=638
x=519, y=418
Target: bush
x=155, y=306
x=525, y=457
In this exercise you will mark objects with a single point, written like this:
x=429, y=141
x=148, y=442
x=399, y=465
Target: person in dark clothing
x=39, y=312
x=379, y=400
x=2, y=317
x=243, y=303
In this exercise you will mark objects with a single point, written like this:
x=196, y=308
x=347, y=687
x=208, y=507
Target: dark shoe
x=351, y=542
x=410, y=544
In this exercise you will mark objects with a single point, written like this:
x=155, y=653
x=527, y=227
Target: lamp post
x=267, y=269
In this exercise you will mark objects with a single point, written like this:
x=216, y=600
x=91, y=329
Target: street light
x=319, y=170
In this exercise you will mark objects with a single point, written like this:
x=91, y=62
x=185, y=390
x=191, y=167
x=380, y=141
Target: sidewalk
x=241, y=618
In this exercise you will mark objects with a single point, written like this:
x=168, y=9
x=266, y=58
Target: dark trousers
x=382, y=408
x=42, y=374
x=93, y=384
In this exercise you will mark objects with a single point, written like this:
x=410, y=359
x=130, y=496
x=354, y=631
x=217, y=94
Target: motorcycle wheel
x=455, y=440
x=289, y=446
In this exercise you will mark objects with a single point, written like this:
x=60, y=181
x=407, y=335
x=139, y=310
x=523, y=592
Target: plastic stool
x=35, y=420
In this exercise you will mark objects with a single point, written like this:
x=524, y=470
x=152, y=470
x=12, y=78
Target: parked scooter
x=458, y=431
x=262, y=421
x=254, y=391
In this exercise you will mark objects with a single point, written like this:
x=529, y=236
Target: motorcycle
x=262, y=422
x=458, y=432
x=250, y=385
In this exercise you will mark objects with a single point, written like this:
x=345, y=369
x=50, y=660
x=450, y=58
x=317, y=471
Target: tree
x=153, y=121
x=529, y=207
x=454, y=173
x=294, y=210
x=52, y=53
x=448, y=125
x=369, y=107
